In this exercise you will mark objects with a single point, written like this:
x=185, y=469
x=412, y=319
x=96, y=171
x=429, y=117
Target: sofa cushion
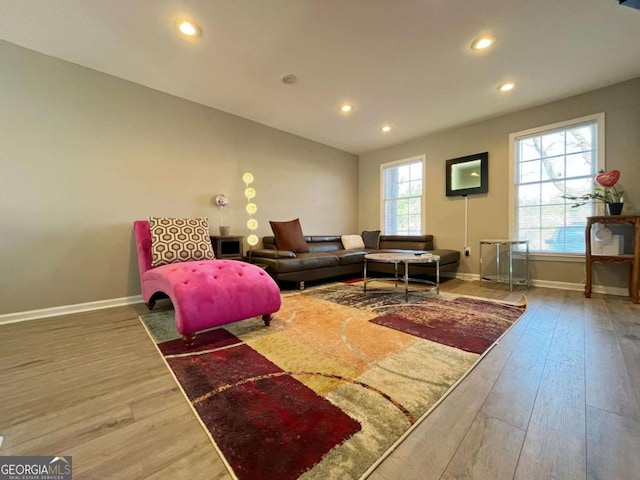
x=447, y=256
x=406, y=242
x=270, y=253
x=303, y=261
x=351, y=242
x=325, y=243
x=289, y=236
x=175, y=240
x=371, y=239
x=349, y=257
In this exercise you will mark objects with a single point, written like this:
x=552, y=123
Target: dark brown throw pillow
x=371, y=238
x=289, y=236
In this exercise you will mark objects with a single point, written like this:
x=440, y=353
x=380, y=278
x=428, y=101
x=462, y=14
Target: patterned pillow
x=175, y=240
x=352, y=241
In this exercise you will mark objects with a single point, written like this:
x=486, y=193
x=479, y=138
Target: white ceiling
x=402, y=62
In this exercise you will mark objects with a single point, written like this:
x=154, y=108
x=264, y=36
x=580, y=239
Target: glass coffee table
x=405, y=259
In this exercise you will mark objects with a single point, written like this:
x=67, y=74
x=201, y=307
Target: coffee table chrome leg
x=406, y=281
x=438, y=276
x=395, y=266
x=365, y=275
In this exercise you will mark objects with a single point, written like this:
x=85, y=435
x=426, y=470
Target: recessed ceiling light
x=346, y=108
x=188, y=28
x=483, y=43
x=288, y=79
x=506, y=87
x=386, y=129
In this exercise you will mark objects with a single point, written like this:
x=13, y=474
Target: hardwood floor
x=558, y=397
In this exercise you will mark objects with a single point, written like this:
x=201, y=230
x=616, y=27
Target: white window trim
x=422, y=158
x=599, y=118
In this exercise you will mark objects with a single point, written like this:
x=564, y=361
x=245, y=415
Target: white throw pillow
x=352, y=242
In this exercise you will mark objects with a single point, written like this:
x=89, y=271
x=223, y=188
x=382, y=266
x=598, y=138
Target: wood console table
x=632, y=259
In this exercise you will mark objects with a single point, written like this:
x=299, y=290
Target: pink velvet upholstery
x=206, y=293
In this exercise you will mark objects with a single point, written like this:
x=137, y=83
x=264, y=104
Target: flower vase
x=224, y=230
x=614, y=208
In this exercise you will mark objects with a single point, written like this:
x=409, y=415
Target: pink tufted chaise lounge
x=205, y=293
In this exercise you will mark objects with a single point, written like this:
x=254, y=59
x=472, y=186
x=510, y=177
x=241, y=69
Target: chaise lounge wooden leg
x=267, y=319
x=188, y=339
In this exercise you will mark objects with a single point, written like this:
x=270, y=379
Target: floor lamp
x=251, y=208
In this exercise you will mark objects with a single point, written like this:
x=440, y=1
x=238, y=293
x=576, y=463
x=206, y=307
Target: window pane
x=578, y=187
x=553, y=167
x=403, y=189
x=404, y=174
x=529, y=217
x=578, y=215
x=529, y=194
x=390, y=183
x=553, y=215
x=565, y=239
x=530, y=171
x=403, y=206
x=533, y=235
x=530, y=149
x=414, y=206
x=579, y=139
x=552, y=192
x=552, y=144
x=415, y=227
x=580, y=164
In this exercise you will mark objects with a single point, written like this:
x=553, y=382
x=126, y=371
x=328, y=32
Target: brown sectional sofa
x=328, y=258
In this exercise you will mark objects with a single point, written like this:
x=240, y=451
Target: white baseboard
x=67, y=309
x=578, y=287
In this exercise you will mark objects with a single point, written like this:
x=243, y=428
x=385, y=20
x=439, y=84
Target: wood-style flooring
x=558, y=397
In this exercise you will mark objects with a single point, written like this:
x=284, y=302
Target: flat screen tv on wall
x=468, y=175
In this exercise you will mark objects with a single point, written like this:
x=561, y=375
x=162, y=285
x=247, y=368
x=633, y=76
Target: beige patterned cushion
x=175, y=240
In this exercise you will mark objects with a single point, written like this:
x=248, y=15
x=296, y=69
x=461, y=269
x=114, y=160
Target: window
x=550, y=162
x=402, y=191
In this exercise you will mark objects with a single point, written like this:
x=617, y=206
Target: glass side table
x=507, y=277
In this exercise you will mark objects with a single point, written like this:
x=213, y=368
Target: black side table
x=228, y=247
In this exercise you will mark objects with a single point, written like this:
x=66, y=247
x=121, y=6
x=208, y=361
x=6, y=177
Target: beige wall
x=489, y=214
x=83, y=155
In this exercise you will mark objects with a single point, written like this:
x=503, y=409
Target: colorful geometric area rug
x=336, y=381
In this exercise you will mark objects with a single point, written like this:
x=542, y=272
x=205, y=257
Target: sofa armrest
x=269, y=253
